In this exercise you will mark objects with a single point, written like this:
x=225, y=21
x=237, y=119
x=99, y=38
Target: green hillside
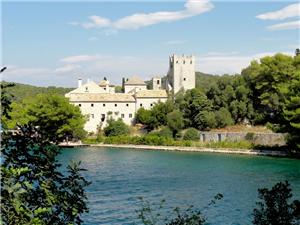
x=21, y=91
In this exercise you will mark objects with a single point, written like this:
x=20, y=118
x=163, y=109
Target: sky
x=55, y=43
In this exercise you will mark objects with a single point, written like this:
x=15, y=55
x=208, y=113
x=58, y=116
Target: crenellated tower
x=181, y=74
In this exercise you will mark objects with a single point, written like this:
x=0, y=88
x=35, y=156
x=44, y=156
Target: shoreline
x=197, y=149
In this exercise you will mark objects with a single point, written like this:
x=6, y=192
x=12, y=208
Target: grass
x=155, y=140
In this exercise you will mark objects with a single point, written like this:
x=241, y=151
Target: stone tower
x=156, y=83
x=181, y=73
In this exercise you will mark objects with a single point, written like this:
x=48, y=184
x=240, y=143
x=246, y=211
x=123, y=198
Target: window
x=157, y=81
x=122, y=115
x=177, y=61
x=79, y=105
x=102, y=117
x=127, y=104
x=92, y=105
x=191, y=62
x=86, y=89
x=141, y=104
x=184, y=79
x=151, y=104
x=103, y=105
x=105, y=89
x=92, y=116
x=116, y=105
x=130, y=115
x=183, y=61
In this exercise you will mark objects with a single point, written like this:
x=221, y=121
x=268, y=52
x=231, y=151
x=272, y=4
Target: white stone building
x=99, y=102
x=181, y=74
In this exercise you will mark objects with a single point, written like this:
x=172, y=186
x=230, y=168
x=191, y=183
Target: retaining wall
x=269, y=139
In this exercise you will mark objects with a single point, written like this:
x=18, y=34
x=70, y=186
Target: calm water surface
x=120, y=176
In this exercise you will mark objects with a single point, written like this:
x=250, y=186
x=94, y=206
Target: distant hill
x=21, y=91
x=204, y=80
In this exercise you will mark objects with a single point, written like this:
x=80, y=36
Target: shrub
x=249, y=136
x=116, y=128
x=223, y=118
x=191, y=134
x=206, y=120
x=165, y=132
x=175, y=121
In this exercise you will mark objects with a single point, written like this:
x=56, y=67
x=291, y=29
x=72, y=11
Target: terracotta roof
x=135, y=81
x=151, y=94
x=102, y=97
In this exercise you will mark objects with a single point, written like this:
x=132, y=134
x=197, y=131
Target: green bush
x=116, y=128
x=191, y=134
x=175, y=121
x=249, y=136
x=223, y=118
x=166, y=132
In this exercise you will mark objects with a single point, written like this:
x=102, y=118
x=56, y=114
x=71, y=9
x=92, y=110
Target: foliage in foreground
x=276, y=207
x=33, y=190
x=6, y=99
x=151, y=214
x=53, y=114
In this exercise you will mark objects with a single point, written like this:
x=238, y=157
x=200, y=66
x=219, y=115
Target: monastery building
x=99, y=102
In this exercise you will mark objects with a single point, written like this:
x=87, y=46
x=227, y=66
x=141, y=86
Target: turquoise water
x=120, y=176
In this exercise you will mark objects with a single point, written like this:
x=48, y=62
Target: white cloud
x=228, y=64
x=222, y=53
x=138, y=20
x=290, y=11
x=80, y=58
x=96, y=22
x=175, y=42
x=24, y=71
x=114, y=68
x=286, y=26
x=67, y=68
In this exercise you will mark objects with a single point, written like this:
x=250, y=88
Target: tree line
x=267, y=92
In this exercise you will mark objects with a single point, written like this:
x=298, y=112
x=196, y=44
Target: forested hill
x=204, y=80
x=21, y=91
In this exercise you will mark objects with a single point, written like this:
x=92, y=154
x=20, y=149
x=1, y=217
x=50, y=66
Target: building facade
x=99, y=102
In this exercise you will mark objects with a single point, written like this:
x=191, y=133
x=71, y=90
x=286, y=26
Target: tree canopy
x=55, y=116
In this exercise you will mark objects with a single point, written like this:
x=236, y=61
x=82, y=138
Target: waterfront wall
x=267, y=139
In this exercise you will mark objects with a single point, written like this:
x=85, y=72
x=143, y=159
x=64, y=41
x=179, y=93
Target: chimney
x=79, y=82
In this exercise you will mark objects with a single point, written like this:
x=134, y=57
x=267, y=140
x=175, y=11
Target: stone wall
x=270, y=139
